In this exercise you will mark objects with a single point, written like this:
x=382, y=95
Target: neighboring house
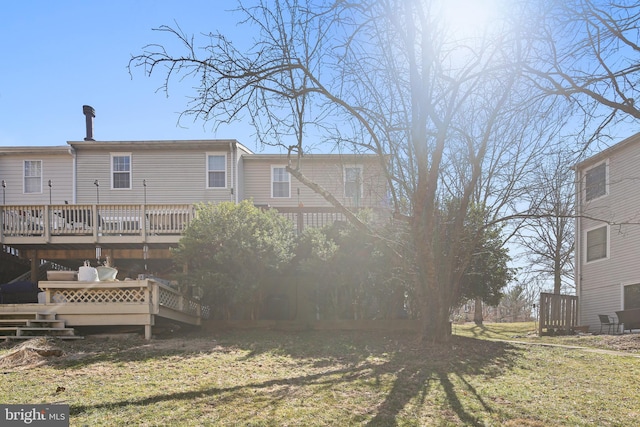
x=356, y=181
x=141, y=194
x=608, y=231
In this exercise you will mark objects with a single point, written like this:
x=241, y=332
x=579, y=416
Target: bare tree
x=590, y=55
x=383, y=77
x=547, y=236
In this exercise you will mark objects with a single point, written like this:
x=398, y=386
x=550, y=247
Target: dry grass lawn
x=271, y=378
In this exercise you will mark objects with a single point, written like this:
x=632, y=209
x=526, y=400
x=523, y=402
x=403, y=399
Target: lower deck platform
x=117, y=303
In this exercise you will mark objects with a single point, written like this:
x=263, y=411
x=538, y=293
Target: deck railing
x=311, y=217
x=129, y=220
x=98, y=220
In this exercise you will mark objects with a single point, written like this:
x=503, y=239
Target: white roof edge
x=607, y=151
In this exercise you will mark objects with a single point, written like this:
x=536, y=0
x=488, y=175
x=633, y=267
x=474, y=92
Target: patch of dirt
x=626, y=342
x=31, y=353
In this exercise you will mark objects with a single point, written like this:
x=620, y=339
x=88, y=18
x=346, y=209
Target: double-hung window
x=596, y=182
x=33, y=176
x=597, y=243
x=121, y=171
x=280, y=182
x=353, y=182
x=216, y=171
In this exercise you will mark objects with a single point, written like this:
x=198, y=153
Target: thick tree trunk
x=557, y=275
x=437, y=327
x=435, y=307
x=477, y=312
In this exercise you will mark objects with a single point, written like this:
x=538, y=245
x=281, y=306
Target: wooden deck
x=133, y=302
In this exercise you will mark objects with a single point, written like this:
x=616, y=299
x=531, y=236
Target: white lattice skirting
x=121, y=295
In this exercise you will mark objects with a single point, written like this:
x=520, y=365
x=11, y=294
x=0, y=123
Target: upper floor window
x=597, y=243
x=121, y=171
x=33, y=176
x=216, y=171
x=353, y=182
x=596, y=182
x=280, y=182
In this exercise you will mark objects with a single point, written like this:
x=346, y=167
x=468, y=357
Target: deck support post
x=35, y=263
x=147, y=332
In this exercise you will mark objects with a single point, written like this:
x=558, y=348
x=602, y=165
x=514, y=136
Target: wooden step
x=39, y=323
x=14, y=322
x=20, y=331
x=9, y=328
x=34, y=325
x=46, y=316
x=53, y=331
x=19, y=315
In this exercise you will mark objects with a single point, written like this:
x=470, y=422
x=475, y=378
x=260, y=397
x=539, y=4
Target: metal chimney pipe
x=89, y=113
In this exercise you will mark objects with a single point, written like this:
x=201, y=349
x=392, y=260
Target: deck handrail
x=97, y=220
x=41, y=223
x=166, y=296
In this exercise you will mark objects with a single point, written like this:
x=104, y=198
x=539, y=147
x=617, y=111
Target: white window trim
x=24, y=187
x=112, y=155
x=344, y=179
x=206, y=167
x=606, y=181
x=586, y=244
x=272, y=182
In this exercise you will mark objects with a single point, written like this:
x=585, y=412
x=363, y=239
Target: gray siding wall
x=55, y=167
x=326, y=172
x=600, y=283
x=172, y=176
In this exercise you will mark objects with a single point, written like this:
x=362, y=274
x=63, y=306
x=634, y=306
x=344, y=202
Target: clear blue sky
x=59, y=55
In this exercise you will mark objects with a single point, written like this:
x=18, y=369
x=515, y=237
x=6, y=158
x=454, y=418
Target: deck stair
x=16, y=326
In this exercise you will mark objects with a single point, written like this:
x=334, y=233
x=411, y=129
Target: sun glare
x=469, y=18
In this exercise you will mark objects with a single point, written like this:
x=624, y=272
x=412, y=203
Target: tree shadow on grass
x=446, y=366
x=415, y=369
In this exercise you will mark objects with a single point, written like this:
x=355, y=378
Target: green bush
x=230, y=249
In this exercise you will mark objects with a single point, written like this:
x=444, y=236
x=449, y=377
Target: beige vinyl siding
x=172, y=176
x=55, y=167
x=605, y=299
x=601, y=281
x=327, y=171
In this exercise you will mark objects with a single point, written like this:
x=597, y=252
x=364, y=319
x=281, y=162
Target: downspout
x=234, y=167
x=236, y=161
x=578, y=242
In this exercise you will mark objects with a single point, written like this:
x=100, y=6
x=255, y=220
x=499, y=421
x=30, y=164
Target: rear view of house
x=131, y=200
x=127, y=203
